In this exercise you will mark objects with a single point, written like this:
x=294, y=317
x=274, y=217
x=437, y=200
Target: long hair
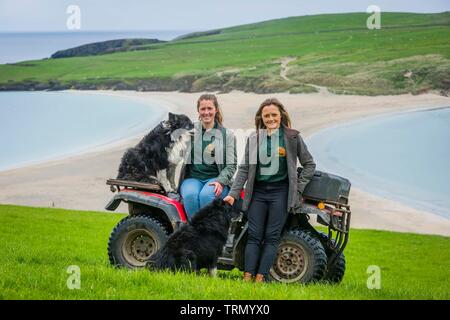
x=213, y=98
x=285, y=119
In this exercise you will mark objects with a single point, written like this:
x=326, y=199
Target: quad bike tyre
x=300, y=258
x=134, y=240
x=335, y=274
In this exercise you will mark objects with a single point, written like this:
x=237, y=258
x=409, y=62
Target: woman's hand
x=229, y=200
x=218, y=188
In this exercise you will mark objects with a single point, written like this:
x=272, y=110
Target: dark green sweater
x=264, y=172
x=204, y=171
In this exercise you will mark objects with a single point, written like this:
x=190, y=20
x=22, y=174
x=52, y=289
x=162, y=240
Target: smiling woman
x=213, y=158
x=41, y=126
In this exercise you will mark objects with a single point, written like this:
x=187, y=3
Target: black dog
x=198, y=244
x=157, y=156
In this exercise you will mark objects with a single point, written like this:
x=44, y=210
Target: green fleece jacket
x=226, y=161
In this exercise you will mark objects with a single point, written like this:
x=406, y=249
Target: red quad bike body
x=304, y=255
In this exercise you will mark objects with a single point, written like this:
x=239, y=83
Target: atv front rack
x=116, y=184
x=336, y=217
x=340, y=222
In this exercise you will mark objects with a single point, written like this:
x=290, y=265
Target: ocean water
x=404, y=157
x=41, y=126
x=21, y=46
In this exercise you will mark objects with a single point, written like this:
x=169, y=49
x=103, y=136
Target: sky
x=198, y=15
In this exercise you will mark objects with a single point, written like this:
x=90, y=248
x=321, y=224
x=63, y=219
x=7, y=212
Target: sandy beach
x=78, y=182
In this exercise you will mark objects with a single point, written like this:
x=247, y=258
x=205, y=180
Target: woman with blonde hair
x=269, y=169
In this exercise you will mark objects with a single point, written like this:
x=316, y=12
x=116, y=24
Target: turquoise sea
x=404, y=157
x=40, y=126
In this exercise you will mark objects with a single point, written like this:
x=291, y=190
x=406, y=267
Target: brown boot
x=259, y=278
x=248, y=277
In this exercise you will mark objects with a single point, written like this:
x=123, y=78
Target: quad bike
x=304, y=254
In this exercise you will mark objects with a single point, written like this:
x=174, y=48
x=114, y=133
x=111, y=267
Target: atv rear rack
x=116, y=184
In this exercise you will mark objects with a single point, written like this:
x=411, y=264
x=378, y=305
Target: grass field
x=409, y=54
x=39, y=244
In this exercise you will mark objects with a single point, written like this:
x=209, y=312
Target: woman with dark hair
x=212, y=157
x=272, y=190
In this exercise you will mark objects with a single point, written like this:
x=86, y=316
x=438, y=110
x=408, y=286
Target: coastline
x=322, y=143
x=78, y=182
x=98, y=147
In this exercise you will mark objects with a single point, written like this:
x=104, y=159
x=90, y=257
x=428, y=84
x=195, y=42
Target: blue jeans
x=197, y=194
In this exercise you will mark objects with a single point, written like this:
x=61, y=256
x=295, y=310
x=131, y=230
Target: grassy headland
x=410, y=53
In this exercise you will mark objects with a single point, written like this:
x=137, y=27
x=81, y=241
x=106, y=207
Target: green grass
x=334, y=50
x=39, y=244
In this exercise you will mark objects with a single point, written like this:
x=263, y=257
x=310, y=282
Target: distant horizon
x=195, y=30
x=16, y=46
x=99, y=31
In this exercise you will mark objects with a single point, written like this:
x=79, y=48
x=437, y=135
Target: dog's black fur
x=198, y=244
x=150, y=155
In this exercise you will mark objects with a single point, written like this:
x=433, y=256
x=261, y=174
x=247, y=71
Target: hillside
x=298, y=54
x=105, y=47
